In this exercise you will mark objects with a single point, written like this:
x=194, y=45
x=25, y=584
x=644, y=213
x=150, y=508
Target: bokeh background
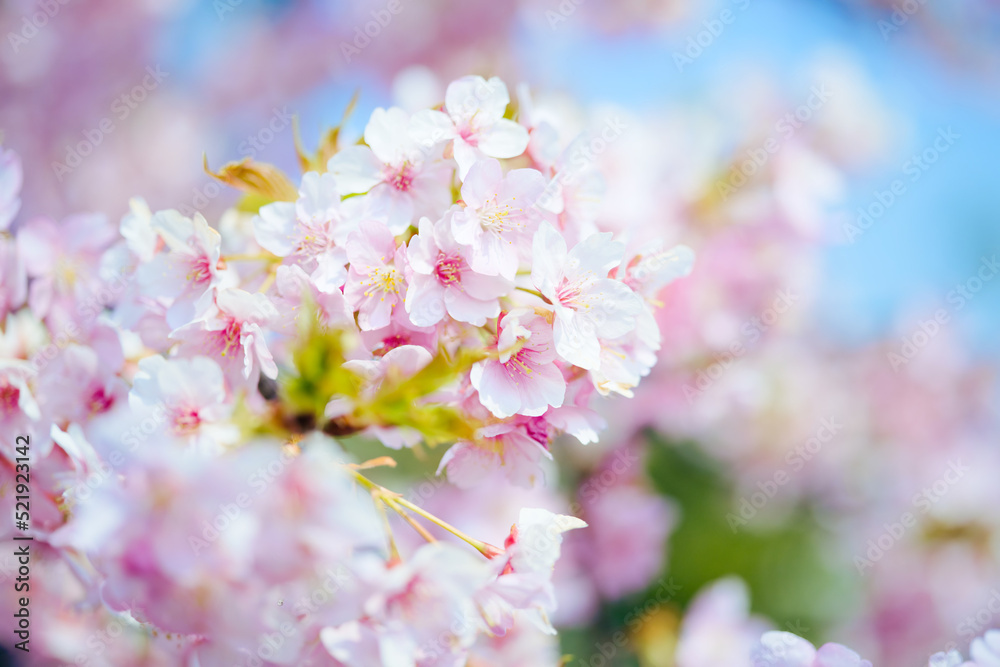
x=833, y=163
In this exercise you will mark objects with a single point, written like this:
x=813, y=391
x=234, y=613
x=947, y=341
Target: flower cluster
x=183, y=385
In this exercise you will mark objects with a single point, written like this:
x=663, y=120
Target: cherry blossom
x=442, y=282
x=787, y=650
x=188, y=269
x=63, y=263
x=423, y=609
x=473, y=121
x=376, y=282
x=525, y=567
x=231, y=331
x=984, y=651
x=401, y=180
x=588, y=305
x=500, y=218
x=523, y=378
x=19, y=409
x=192, y=395
x=508, y=447
x=311, y=231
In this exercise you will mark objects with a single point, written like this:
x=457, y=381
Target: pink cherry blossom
x=295, y=289
x=507, y=447
x=524, y=584
x=984, y=651
x=588, y=305
x=394, y=366
x=524, y=378
x=500, y=217
x=442, y=282
x=473, y=120
x=423, y=608
x=718, y=628
x=231, y=331
x=783, y=649
x=628, y=532
x=63, y=262
x=188, y=269
x=19, y=411
x=310, y=232
x=92, y=372
x=402, y=181
x=190, y=394
x=400, y=331
x=376, y=283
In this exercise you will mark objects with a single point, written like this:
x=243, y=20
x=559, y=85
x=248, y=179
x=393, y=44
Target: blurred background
x=817, y=450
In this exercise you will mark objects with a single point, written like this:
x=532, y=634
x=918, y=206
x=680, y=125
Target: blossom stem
x=536, y=293
x=268, y=281
x=258, y=257
x=410, y=520
x=484, y=548
x=393, y=549
x=487, y=550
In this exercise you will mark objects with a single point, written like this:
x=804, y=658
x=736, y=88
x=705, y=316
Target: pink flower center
x=382, y=279
x=9, y=397
x=228, y=339
x=538, y=430
x=468, y=134
x=407, y=602
x=520, y=363
x=186, y=421
x=100, y=401
x=448, y=269
x=394, y=341
x=501, y=217
x=400, y=177
x=314, y=241
x=200, y=270
x=569, y=295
